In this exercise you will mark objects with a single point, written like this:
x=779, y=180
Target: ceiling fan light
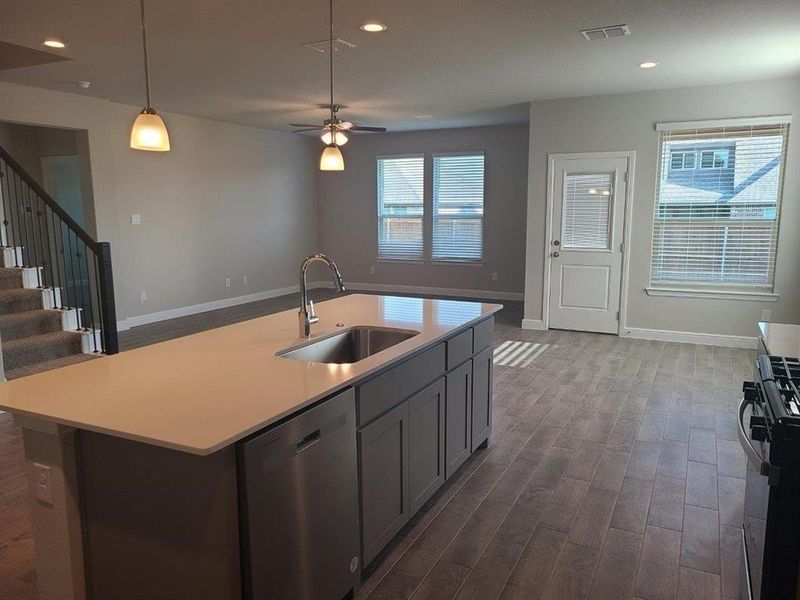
x=149, y=132
x=331, y=159
x=340, y=139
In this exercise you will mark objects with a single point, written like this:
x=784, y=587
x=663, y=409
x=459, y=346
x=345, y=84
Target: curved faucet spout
x=306, y=315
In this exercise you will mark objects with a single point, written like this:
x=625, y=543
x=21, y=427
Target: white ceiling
x=466, y=62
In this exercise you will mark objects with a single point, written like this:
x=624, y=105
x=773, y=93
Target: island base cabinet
x=458, y=412
x=383, y=452
x=426, y=466
x=481, y=398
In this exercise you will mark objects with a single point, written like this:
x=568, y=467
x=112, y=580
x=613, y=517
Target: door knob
x=556, y=255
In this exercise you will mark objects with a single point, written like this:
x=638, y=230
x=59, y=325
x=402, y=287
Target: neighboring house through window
x=400, y=207
x=718, y=203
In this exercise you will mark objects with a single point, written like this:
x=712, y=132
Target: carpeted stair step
x=30, y=322
x=40, y=348
x=19, y=300
x=48, y=365
x=10, y=278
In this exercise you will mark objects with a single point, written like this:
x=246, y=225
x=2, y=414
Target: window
x=714, y=159
x=683, y=160
x=586, y=222
x=458, y=207
x=400, y=207
x=716, y=222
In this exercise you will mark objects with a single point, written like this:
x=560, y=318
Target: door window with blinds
x=400, y=207
x=718, y=202
x=586, y=219
x=458, y=207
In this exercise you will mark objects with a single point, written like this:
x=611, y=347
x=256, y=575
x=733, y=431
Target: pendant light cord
x=330, y=50
x=146, y=62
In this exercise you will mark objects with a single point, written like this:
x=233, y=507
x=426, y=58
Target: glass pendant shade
x=149, y=132
x=331, y=159
x=340, y=139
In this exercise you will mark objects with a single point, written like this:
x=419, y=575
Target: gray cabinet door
x=481, y=397
x=458, y=427
x=426, y=426
x=383, y=450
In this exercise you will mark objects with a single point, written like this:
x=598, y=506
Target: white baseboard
x=194, y=309
x=691, y=337
x=185, y=311
x=535, y=324
x=429, y=291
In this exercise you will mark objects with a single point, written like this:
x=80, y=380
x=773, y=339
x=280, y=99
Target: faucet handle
x=311, y=313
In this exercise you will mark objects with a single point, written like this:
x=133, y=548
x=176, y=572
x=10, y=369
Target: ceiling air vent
x=602, y=33
x=322, y=45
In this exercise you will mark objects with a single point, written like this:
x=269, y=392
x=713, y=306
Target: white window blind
x=400, y=207
x=718, y=204
x=586, y=218
x=458, y=207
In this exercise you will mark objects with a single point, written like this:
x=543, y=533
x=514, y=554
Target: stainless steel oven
x=769, y=432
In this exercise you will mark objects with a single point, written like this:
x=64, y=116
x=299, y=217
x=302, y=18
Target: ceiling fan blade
x=363, y=128
x=305, y=125
x=306, y=129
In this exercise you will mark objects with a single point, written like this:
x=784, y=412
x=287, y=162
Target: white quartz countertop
x=203, y=392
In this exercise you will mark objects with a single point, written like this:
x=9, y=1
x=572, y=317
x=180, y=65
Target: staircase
x=56, y=286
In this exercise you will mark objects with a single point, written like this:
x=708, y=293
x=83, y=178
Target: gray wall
x=348, y=212
x=626, y=122
x=227, y=201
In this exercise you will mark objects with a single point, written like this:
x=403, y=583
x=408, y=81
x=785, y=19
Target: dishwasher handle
x=308, y=440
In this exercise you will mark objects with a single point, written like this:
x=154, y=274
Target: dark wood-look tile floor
x=613, y=473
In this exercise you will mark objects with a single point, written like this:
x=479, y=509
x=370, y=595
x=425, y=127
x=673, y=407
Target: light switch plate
x=136, y=219
x=42, y=483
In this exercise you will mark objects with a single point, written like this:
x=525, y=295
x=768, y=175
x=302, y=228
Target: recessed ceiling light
x=54, y=43
x=374, y=27
x=648, y=64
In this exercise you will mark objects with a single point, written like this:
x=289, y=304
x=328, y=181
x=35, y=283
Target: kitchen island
x=137, y=459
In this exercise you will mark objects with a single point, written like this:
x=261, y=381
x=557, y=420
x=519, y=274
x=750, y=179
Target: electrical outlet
x=244, y=279
x=136, y=219
x=227, y=282
x=494, y=276
x=44, y=491
x=143, y=296
x=766, y=314
x=372, y=270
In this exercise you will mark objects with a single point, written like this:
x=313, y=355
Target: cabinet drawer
x=484, y=335
x=459, y=349
x=376, y=396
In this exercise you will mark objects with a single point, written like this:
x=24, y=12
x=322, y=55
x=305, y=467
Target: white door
x=586, y=236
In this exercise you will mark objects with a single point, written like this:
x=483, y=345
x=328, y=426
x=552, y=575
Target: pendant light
x=149, y=131
x=331, y=159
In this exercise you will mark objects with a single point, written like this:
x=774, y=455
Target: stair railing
x=71, y=268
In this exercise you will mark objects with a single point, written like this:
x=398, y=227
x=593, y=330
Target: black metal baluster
x=69, y=269
x=6, y=201
x=36, y=240
x=15, y=222
x=45, y=243
x=91, y=319
x=56, y=265
x=79, y=282
x=23, y=215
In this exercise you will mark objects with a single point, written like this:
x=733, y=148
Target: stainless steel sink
x=350, y=345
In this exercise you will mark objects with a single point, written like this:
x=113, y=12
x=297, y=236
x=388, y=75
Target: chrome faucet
x=306, y=315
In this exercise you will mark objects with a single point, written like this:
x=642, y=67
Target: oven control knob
x=758, y=433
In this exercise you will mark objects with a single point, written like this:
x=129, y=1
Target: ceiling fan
x=339, y=127
x=334, y=131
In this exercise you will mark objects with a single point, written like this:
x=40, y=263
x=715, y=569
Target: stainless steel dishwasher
x=298, y=485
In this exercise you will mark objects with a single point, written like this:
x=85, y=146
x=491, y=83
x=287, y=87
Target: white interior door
x=586, y=237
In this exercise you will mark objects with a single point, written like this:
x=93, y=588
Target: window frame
x=450, y=260
x=416, y=259
x=686, y=288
